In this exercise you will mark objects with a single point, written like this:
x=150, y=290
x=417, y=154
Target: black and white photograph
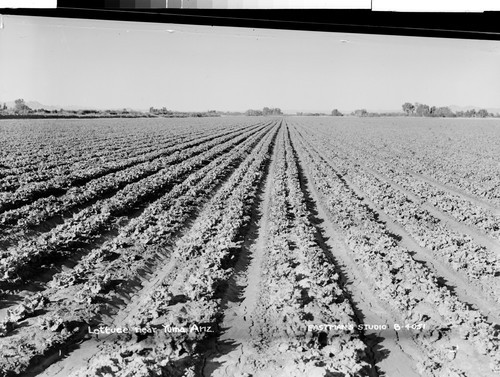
x=192, y=199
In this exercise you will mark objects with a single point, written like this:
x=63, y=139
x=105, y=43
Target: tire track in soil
x=391, y=356
x=226, y=355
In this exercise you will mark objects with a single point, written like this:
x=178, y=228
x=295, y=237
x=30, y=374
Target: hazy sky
x=111, y=64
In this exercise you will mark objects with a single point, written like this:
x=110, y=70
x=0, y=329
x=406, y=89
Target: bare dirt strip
x=476, y=234
x=453, y=190
x=230, y=351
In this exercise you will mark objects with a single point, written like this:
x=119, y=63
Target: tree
x=470, y=113
x=20, y=106
x=336, y=113
x=360, y=113
x=271, y=111
x=253, y=112
x=422, y=110
x=483, y=113
x=408, y=108
x=444, y=112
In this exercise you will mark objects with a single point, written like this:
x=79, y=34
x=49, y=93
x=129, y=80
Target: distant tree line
x=311, y=114
x=334, y=112
x=22, y=110
x=364, y=113
x=264, y=112
x=423, y=110
x=164, y=112
x=418, y=110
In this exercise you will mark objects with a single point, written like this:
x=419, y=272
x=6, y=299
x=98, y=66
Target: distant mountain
x=35, y=105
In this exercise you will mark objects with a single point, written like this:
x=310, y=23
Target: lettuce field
x=250, y=246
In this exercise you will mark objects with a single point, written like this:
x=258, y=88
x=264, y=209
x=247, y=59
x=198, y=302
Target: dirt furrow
x=230, y=351
x=456, y=191
x=476, y=234
x=393, y=355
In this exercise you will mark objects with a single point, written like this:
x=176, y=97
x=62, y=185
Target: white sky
x=109, y=64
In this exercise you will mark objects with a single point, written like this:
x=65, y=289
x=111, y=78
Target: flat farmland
x=250, y=246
